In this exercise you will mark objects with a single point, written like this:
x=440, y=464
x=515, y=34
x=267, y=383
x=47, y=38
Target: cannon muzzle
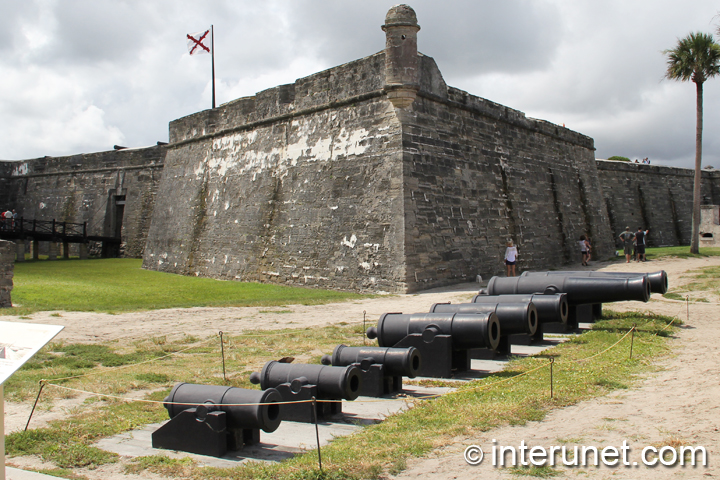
x=331, y=382
x=514, y=318
x=245, y=409
x=397, y=361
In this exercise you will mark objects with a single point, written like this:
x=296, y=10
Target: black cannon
x=381, y=368
x=585, y=295
x=301, y=382
x=550, y=308
x=444, y=340
x=658, y=280
x=515, y=318
x=212, y=420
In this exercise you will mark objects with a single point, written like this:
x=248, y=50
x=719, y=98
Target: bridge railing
x=54, y=228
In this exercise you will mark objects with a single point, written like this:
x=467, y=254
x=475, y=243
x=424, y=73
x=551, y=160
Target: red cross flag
x=199, y=42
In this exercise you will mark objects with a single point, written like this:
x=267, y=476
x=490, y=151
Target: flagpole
x=212, y=51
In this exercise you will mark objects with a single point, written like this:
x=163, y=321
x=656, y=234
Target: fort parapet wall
x=478, y=174
x=326, y=183
x=655, y=197
x=301, y=184
x=113, y=191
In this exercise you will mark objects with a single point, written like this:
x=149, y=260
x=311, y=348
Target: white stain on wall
x=351, y=243
x=245, y=153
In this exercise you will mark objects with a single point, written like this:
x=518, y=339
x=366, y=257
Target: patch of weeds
x=77, y=455
x=153, y=377
x=189, y=339
x=571, y=440
x=161, y=464
x=673, y=296
x=427, y=382
x=611, y=384
x=65, y=473
x=538, y=472
x=646, y=323
x=275, y=311
x=397, y=467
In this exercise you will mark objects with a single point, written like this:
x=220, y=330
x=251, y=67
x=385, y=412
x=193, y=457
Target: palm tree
x=697, y=58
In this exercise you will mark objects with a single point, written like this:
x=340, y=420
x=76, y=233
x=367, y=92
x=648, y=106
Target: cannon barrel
x=580, y=290
x=397, y=361
x=658, y=280
x=331, y=382
x=513, y=317
x=467, y=330
x=242, y=406
x=550, y=308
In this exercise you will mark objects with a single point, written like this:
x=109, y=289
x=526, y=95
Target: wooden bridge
x=19, y=230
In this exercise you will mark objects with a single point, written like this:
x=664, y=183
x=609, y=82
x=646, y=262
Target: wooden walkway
x=55, y=232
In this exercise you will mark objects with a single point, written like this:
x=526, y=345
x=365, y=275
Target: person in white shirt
x=511, y=254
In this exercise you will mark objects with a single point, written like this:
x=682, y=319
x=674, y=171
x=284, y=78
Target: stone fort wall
x=114, y=192
x=654, y=197
x=7, y=258
x=300, y=184
x=479, y=174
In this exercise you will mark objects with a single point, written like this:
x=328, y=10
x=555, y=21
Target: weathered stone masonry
x=7, y=257
x=308, y=192
x=114, y=192
x=654, y=197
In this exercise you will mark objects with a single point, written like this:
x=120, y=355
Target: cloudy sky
x=83, y=75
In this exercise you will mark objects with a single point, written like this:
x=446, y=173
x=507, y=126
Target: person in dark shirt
x=627, y=238
x=640, y=243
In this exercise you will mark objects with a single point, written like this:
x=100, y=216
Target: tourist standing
x=7, y=220
x=511, y=254
x=585, y=248
x=627, y=238
x=640, y=243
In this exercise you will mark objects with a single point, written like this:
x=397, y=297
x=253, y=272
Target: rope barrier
x=45, y=382
x=600, y=353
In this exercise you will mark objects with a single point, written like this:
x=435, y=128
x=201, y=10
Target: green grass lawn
x=680, y=252
x=119, y=285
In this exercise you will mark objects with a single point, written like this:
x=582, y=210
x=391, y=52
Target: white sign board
x=19, y=342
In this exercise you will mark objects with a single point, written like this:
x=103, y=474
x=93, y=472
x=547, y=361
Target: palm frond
x=695, y=57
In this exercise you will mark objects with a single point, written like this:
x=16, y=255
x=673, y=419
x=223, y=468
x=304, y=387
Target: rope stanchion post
x=317, y=432
x=222, y=351
x=687, y=303
x=632, y=338
x=363, y=330
x=42, y=385
x=552, y=362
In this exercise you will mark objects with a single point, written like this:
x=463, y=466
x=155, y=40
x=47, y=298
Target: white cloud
x=120, y=69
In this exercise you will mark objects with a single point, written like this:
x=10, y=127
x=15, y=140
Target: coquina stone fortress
x=371, y=176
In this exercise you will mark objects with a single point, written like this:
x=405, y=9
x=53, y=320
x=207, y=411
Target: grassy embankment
x=516, y=395
x=120, y=285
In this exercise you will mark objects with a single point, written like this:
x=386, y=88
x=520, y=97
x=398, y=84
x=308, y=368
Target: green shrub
x=618, y=158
